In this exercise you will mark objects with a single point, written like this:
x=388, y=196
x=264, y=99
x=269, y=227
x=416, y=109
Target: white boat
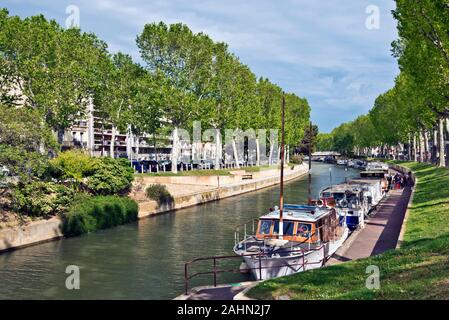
x=342, y=162
x=311, y=235
x=350, y=201
x=377, y=166
x=372, y=188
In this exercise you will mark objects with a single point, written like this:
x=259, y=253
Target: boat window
x=304, y=230
x=326, y=195
x=265, y=226
x=288, y=228
x=276, y=227
x=338, y=196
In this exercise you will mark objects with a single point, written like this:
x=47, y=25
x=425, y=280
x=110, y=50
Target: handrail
x=259, y=256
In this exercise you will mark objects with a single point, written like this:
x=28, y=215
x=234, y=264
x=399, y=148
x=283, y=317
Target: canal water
x=145, y=260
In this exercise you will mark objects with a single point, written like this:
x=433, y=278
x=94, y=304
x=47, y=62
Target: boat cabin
x=301, y=223
x=345, y=195
x=372, y=188
x=380, y=175
x=377, y=166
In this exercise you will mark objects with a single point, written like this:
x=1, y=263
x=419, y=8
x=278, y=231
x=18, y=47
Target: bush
x=110, y=176
x=73, y=164
x=297, y=159
x=89, y=214
x=41, y=198
x=159, y=193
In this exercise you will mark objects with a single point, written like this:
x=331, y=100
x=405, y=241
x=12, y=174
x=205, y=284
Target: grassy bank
x=418, y=270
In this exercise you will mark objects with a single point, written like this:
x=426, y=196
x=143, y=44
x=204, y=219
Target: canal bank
x=145, y=260
x=186, y=191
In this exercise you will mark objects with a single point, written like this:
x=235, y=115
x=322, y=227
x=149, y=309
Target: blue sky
x=320, y=50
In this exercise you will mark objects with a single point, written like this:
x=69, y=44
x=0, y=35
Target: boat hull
x=273, y=267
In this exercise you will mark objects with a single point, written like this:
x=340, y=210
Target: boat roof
x=342, y=188
x=373, y=171
x=296, y=212
x=363, y=181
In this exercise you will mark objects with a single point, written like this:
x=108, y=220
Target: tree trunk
x=112, y=145
x=61, y=132
x=137, y=148
x=421, y=147
x=155, y=146
x=236, y=155
x=415, y=153
x=442, y=143
x=426, y=146
x=174, y=157
x=218, y=150
x=409, y=148
x=257, y=152
x=435, y=153
x=270, y=158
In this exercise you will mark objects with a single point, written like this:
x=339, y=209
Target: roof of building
x=343, y=188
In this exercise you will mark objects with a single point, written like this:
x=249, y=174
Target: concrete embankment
x=191, y=191
x=31, y=233
x=186, y=191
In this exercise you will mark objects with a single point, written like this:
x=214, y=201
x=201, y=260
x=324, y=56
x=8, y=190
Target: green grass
x=260, y=168
x=418, y=270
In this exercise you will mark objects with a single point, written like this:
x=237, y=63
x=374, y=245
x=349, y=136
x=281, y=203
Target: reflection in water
x=145, y=260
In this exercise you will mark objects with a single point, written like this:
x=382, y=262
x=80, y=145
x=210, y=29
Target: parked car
x=342, y=162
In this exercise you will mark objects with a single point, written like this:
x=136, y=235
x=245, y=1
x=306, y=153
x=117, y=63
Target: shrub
x=41, y=198
x=89, y=214
x=110, y=176
x=297, y=159
x=159, y=193
x=73, y=164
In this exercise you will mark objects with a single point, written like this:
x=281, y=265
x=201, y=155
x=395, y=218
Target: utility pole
x=310, y=163
x=281, y=196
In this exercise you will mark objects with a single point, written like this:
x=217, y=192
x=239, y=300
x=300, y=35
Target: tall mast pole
x=281, y=196
x=310, y=162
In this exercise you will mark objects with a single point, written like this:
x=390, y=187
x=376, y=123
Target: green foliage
x=19, y=128
x=89, y=214
x=110, y=176
x=42, y=199
x=73, y=164
x=325, y=142
x=297, y=159
x=54, y=67
x=26, y=165
x=159, y=193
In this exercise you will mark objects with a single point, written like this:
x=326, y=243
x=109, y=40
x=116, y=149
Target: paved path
x=224, y=292
x=381, y=232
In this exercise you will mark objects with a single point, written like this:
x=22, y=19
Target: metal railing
x=257, y=256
